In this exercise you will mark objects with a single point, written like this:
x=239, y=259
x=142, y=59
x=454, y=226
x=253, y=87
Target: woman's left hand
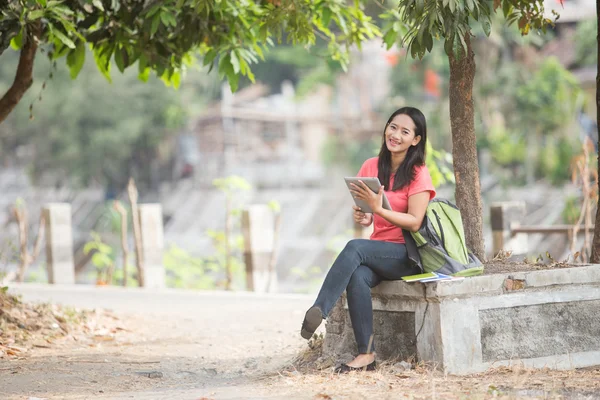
x=363, y=192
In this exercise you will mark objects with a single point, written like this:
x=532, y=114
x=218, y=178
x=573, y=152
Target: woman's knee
x=355, y=245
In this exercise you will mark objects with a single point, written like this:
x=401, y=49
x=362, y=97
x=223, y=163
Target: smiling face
x=400, y=134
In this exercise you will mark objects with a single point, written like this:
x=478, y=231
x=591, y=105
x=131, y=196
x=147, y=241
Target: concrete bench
x=545, y=318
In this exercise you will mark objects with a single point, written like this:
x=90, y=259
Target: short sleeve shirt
x=384, y=230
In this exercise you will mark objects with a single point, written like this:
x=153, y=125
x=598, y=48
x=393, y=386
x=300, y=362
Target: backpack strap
x=411, y=248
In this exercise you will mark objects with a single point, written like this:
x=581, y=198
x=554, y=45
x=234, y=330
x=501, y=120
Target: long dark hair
x=415, y=155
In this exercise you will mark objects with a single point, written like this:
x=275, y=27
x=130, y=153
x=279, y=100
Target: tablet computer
x=374, y=185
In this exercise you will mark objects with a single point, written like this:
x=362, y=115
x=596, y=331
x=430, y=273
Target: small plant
x=102, y=259
x=188, y=272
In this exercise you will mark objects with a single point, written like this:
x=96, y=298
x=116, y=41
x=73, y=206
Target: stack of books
x=431, y=277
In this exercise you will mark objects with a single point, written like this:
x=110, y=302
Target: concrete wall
x=542, y=318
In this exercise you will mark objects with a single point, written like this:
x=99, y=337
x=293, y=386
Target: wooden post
x=137, y=233
x=504, y=217
x=121, y=210
x=27, y=258
x=258, y=228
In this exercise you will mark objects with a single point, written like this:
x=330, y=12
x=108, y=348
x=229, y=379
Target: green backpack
x=439, y=245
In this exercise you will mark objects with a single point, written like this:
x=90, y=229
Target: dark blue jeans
x=362, y=265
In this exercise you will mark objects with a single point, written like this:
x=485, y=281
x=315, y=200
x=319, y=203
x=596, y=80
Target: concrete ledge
x=544, y=318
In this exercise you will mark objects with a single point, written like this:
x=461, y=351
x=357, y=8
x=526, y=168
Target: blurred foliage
x=90, y=131
x=508, y=149
x=556, y=154
x=586, y=45
x=546, y=101
x=188, y=272
x=572, y=210
x=349, y=153
x=232, y=185
x=304, y=68
x=439, y=164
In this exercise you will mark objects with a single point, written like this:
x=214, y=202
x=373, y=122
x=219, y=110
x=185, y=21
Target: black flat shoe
x=312, y=320
x=345, y=368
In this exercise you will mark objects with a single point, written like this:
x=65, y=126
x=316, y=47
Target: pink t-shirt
x=384, y=230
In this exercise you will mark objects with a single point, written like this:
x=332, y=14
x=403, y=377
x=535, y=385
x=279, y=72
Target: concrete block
x=536, y=318
x=151, y=225
x=59, y=243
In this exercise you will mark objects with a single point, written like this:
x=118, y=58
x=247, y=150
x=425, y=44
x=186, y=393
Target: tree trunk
x=24, y=75
x=464, y=148
x=596, y=240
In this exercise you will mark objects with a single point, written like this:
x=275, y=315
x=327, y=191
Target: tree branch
x=24, y=75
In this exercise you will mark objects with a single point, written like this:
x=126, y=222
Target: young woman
x=363, y=264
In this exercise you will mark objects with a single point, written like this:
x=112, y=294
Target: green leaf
x=390, y=38
x=76, y=59
x=119, y=60
x=164, y=18
x=62, y=37
x=452, y=5
x=448, y=44
x=155, y=24
x=415, y=49
x=233, y=81
x=225, y=67
x=209, y=57
x=250, y=75
x=176, y=80
x=258, y=50
x=342, y=23
x=17, y=42
x=103, y=62
x=506, y=8
x=98, y=4
x=487, y=26
x=144, y=75
x=35, y=14
x=326, y=17
x=235, y=62
x=170, y=19
x=89, y=246
x=428, y=41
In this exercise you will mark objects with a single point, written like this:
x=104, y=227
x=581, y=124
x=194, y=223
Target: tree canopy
x=453, y=20
x=165, y=36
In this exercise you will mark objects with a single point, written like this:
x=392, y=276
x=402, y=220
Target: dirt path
x=176, y=345
x=182, y=345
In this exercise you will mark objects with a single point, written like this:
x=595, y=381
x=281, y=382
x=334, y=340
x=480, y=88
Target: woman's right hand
x=362, y=218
